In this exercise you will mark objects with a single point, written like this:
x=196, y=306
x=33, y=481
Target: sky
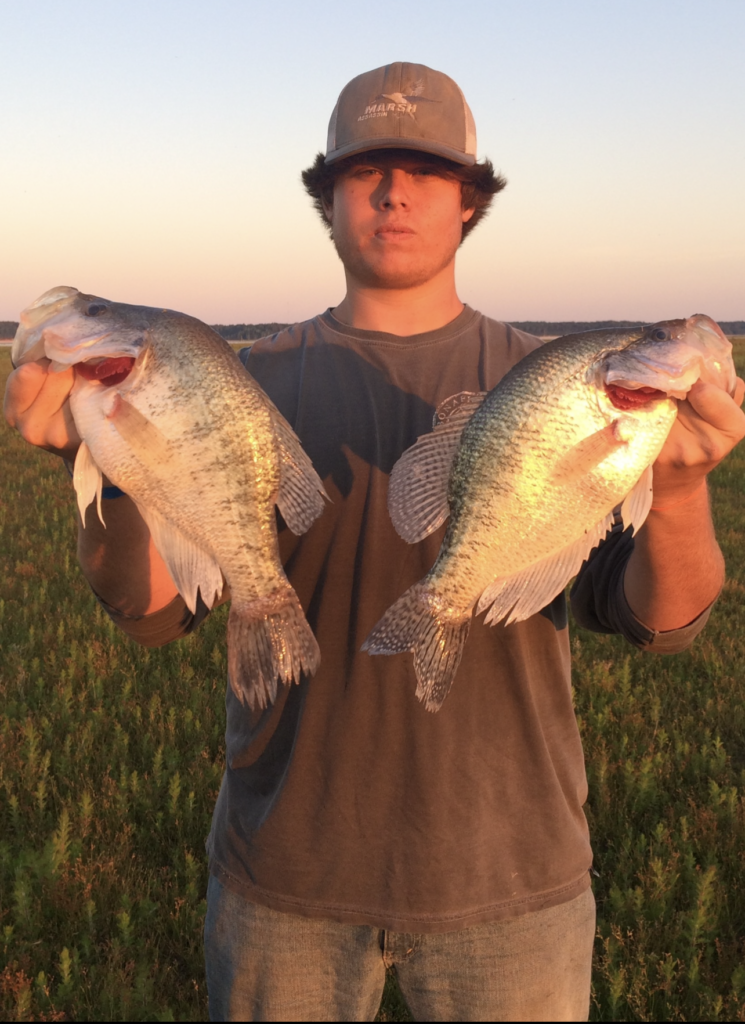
x=151, y=151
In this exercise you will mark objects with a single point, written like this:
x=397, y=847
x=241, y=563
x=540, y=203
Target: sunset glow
x=151, y=153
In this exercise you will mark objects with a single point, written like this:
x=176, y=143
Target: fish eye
x=95, y=309
x=661, y=334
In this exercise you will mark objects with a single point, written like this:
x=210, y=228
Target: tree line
x=250, y=332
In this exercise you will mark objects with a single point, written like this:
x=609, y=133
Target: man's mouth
x=393, y=231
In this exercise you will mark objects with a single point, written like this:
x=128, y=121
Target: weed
x=111, y=757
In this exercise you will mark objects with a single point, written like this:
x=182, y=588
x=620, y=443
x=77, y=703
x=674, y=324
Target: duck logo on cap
x=398, y=103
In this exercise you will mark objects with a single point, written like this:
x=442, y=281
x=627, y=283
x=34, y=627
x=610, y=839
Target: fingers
x=715, y=410
x=36, y=404
x=22, y=389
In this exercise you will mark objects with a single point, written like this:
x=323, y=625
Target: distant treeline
x=249, y=332
x=546, y=327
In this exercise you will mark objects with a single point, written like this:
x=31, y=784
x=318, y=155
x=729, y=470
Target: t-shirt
x=346, y=799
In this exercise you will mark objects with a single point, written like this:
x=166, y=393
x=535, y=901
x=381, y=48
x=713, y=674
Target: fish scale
x=168, y=413
x=535, y=469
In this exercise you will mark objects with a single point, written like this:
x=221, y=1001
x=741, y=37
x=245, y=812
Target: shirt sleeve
x=599, y=602
x=172, y=622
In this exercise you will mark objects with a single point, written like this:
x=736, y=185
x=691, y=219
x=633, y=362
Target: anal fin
x=517, y=597
x=638, y=501
x=190, y=567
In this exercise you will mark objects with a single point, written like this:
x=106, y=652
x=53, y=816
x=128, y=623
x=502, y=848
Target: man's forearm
x=120, y=561
x=677, y=568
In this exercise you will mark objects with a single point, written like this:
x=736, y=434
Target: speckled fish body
x=530, y=475
x=168, y=413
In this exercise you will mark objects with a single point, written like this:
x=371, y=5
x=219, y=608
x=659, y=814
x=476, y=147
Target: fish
x=528, y=476
x=167, y=412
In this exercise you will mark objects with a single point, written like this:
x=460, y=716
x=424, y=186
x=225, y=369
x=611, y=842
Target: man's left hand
x=709, y=425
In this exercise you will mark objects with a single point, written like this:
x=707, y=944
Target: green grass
x=111, y=757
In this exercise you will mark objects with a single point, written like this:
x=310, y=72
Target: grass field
x=111, y=757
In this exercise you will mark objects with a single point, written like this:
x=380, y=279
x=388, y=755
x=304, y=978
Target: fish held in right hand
x=168, y=414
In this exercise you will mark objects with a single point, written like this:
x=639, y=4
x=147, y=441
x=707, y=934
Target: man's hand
x=36, y=404
x=708, y=427
x=676, y=569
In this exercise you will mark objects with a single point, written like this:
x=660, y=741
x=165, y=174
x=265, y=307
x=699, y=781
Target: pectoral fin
x=143, y=437
x=588, y=454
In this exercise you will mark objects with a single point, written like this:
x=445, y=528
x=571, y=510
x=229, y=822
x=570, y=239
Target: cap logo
x=397, y=103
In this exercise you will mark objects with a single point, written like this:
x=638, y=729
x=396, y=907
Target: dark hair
x=479, y=183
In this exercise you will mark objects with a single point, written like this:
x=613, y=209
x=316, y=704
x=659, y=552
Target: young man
x=354, y=830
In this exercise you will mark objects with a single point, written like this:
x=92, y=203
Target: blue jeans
x=264, y=964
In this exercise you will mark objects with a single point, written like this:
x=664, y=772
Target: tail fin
x=420, y=622
x=269, y=640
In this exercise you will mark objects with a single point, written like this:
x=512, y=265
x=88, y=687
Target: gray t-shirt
x=346, y=799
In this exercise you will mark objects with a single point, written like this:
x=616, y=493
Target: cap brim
x=396, y=142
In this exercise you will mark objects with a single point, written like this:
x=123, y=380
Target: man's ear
x=328, y=211
x=467, y=214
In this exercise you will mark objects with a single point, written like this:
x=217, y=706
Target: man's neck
x=403, y=311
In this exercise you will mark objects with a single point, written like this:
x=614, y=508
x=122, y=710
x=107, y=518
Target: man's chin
x=391, y=273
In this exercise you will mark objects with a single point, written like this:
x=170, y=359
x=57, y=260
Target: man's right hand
x=36, y=404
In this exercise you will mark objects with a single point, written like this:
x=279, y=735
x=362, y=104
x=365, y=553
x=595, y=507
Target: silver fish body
x=168, y=413
x=530, y=474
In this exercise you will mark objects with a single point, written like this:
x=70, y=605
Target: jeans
x=268, y=965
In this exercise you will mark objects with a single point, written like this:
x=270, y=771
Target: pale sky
x=151, y=151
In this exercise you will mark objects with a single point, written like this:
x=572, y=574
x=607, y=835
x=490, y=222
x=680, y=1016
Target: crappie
x=530, y=474
x=167, y=412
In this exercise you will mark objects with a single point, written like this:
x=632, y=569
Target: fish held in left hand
x=168, y=413
x=529, y=476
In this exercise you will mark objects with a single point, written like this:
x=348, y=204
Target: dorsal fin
x=418, y=490
x=301, y=493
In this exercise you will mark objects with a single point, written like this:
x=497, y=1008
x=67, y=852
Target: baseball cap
x=402, y=106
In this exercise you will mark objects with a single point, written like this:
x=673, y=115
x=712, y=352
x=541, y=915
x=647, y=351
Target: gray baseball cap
x=402, y=106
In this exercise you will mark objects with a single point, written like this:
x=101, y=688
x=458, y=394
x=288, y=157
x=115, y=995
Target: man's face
x=396, y=219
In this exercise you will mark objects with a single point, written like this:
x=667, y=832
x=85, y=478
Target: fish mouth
x=633, y=398
x=107, y=371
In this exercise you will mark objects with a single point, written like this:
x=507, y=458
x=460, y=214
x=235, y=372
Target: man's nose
x=394, y=189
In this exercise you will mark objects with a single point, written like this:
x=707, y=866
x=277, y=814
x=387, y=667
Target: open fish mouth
x=633, y=398
x=107, y=371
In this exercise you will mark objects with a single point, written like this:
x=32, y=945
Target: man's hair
x=479, y=183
